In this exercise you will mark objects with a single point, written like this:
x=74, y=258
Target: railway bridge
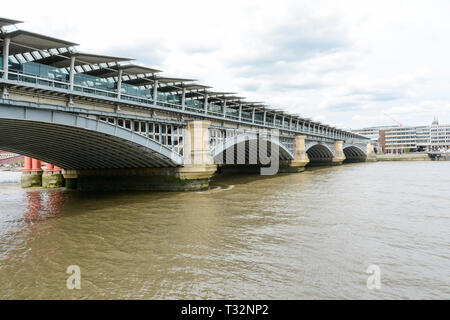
x=105, y=122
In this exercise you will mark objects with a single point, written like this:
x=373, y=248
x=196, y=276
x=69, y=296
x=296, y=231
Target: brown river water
x=297, y=236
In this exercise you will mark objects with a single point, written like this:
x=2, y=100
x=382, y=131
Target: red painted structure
x=36, y=165
x=33, y=165
x=28, y=163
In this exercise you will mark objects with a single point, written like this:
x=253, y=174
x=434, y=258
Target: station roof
x=219, y=94
x=8, y=22
x=25, y=41
x=195, y=94
x=149, y=80
x=194, y=86
x=63, y=60
x=234, y=98
x=246, y=103
x=128, y=69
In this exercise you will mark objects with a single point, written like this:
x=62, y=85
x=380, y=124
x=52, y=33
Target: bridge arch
x=245, y=148
x=319, y=153
x=74, y=142
x=354, y=154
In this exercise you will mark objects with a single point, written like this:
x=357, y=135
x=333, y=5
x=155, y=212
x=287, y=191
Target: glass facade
x=232, y=113
x=259, y=118
x=39, y=74
x=133, y=93
x=246, y=115
x=90, y=84
x=195, y=105
x=169, y=98
x=215, y=109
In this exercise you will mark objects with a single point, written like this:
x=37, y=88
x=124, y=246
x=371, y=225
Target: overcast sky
x=346, y=63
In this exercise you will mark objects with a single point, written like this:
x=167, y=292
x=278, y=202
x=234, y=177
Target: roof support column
x=253, y=115
x=6, y=43
x=225, y=109
x=155, y=91
x=240, y=112
x=206, y=104
x=265, y=117
x=274, y=119
x=282, y=121
x=183, y=99
x=119, y=84
x=72, y=72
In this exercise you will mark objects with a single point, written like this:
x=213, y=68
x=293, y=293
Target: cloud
x=275, y=50
x=150, y=54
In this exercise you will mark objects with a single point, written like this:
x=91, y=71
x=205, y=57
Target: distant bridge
x=109, y=123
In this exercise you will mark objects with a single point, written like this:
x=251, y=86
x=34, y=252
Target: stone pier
x=300, y=157
x=195, y=175
x=339, y=155
x=371, y=155
x=32, y=174
x=52, y=177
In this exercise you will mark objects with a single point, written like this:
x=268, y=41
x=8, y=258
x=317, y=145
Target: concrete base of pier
x=295, y=166
x=52, y=180
x=286, y=167
x=356, y=160
x=337, y=161
x=31, y=179
x=152, y=179
x=291, y=169
x=318, y=163
x=240, y=169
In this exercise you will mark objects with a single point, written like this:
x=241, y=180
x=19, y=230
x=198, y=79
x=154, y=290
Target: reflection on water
x=309, y=235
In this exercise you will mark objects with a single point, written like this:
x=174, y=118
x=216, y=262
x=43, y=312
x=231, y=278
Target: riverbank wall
x=404, y=157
